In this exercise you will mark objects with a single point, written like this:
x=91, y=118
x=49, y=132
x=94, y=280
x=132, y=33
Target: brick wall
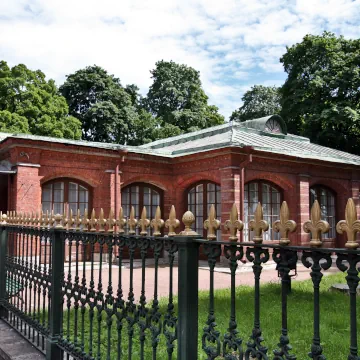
x=175, y=177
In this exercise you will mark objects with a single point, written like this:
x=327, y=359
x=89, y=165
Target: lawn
x=334, y=320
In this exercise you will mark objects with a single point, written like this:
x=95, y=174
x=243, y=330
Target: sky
x=235, y=44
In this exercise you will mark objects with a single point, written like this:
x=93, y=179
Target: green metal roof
x=252, y=133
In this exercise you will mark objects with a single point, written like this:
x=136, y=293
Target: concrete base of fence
x=14, y=347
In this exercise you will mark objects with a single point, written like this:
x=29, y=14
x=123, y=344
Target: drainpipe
x=117, y=202
x=243, y=164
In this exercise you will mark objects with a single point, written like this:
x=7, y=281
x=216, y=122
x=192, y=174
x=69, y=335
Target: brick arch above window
x=155, y=182
x=283, y=183
x=88, y=181
x=66, y=193
x=270, y=196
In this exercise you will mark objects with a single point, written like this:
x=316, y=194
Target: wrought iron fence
x=63, y=283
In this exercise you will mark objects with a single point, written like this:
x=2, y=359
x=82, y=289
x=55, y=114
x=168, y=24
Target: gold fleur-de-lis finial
x=65, y=219
x=143, y=222
x=188, y=219
x=234, y=224
x=102, y=221
x=158, y=223
x=258, y=224
x=211, y=224
x=93, y=221
x=85, y=221
x=110, y=221
x=351, y=225
x=172, y=222
x=284, y=225
x=132, y=222
x=121, y=221
x=316, y=226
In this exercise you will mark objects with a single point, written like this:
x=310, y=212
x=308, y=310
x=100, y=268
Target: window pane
x=47, y=193
x=211, y=197
x=83, y=194
x=73, y=192
x=327, y=206
x=210, y=187
x=155, y=198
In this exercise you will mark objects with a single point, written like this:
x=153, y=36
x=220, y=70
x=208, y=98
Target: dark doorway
x=3, y=193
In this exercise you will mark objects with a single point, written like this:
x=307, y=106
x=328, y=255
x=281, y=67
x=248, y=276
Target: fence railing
x=68, y=284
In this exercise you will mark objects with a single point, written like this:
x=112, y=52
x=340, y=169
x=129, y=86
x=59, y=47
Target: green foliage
x=13, y=123
x=105, y=109
x=259, y=101
x=29, y=103
x=176, y=96
x=321, y=97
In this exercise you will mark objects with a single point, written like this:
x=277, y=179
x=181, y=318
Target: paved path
x=222, y=279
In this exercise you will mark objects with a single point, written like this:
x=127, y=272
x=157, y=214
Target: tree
x=321, y=97
x=176, y=96
x=13, y=123
x=29, y=103
x=259, y=101
x=105, y=109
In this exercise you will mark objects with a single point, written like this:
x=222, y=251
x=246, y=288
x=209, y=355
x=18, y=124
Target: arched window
x=326, y=199
x=199, y=199
x=270, y=198
x=60, y=193
x=139, y=195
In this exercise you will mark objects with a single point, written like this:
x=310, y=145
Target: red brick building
x=236, y=162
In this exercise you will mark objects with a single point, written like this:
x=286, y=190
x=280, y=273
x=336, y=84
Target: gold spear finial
x=234, y=224
x=258, y=224
x=143, y=222
x=77, y=221
x=316, y=226
x=110, y=221
x=93, y=221
x=350, y=225
x=284, y=225
x=70, y=221
x=65, y=216
x=85, y=221
x=132, y=222
x=172, y=222
x=101, y=221
x=121, y=221
x=211, y=224
x=158, y=223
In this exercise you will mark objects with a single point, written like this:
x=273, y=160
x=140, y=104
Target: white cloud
x=234, y=43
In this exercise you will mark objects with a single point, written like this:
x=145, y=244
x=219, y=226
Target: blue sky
x=234, y=43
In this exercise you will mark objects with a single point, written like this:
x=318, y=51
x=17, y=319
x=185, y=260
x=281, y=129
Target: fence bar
x=188, y=298
x=53, y=352
x=3, y=250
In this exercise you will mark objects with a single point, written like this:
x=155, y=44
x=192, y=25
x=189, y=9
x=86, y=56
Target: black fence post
x=3, y=251
x=187, y=298
x=53, y=352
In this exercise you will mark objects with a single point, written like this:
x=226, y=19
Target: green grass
x=334, y=320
